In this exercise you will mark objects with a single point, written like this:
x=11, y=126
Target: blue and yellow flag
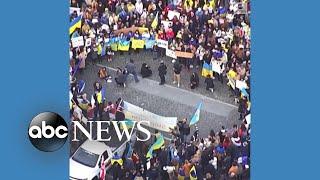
x=117, y=159
x=137, y=44
x=154, y=23
x=207, y=70
x=76, y=23
x=196, y=117
x=157, y=145
x=193, y=173
x=123, y=45
x=150, y=43
x=129, y=124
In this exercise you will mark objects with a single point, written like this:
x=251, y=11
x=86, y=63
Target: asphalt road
x=218, y=110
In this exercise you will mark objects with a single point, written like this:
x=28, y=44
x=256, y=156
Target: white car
x=85, y=163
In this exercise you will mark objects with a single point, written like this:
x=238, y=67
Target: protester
x=131, y=68
x=177, y=68
x=209, y=83
x=121, y=77
x=194, y=80
x=162, y=72
x=145, y=70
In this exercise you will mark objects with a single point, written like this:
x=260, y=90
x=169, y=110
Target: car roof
x=95, y=147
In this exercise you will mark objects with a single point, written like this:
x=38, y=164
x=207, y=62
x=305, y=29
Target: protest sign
x=171, y=14
x=184, y=54
x=162, y=43
x=142, y=30
x=126, y=30
x=171, y=53
x=77, y=41
x=123, y=45
x=88, y=42
x=149, y=43
x=114, y=46
x=241, y=84
x=135, y=113
x=137, y=44
x=216, y=67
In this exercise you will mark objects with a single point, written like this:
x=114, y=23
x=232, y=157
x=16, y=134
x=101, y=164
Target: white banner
x=171, y=14
x=162, y=43
x=161, y=123
x=77, y=41
x=171, y=53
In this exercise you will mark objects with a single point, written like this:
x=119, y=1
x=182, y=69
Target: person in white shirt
x=139, y=7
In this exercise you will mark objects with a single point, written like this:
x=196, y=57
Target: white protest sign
x=171, y=53
x=171, y=14
x=138, y=114
x=162, y=43
x=88, y=42
x=77, y=41
x=241, y=84
x=72, y=9
x=216, y=67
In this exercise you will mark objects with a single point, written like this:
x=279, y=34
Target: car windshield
x=85, y=157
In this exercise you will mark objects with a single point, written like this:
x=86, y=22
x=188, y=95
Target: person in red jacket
x=170, y=34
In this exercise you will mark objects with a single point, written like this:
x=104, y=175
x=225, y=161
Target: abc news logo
x=48, y=131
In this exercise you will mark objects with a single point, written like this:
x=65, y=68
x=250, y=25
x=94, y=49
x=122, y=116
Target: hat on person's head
x=161, y=61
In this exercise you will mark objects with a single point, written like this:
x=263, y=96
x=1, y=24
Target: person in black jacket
x=209, y=82
x=162, y=72
x=121, y=77
x=145, y=70
x=194, y=80
x=177, y=68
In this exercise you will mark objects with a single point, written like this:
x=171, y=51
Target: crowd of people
x=221, y=155
x=216, y=32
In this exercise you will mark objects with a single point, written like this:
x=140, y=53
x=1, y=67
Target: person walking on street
x=177, y=67
x=162, y=72
x=131, y=68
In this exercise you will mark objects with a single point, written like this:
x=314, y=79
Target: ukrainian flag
x=207, y=70
x=137, y=44
x=117, y=159
x=154, y=23
x=157, y=145
x=123, y=45
x=196, y=117
x=193, y=173
x=129, y=124
x=76, y=23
